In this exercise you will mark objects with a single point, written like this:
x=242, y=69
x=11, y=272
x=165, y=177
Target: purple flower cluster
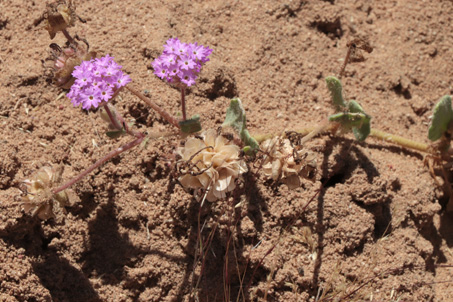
x=181, y=62
x=96, y=81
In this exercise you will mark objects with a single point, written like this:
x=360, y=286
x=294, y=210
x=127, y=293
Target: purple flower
x=180, y=62
x=187, y=77
x=96, y=82
x=106, y=92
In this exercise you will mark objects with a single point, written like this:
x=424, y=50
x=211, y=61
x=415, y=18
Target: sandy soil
x=377, y=231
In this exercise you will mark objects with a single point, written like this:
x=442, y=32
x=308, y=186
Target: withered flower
x=283, y=163
x=39, y=200
x=66, y=59
x=211, y=162
x=59, y=16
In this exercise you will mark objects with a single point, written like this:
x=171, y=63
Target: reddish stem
x=120, y=119
x=183, y=103
x=113, y=119
x=153, y=105
x=110, y=155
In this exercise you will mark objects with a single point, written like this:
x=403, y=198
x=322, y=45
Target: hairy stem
x=68, y=36
x=99, y=162
x=113, y=119
x=327, y=127
x=117, y=119
x=153, y=105
x=346, y=61
x=333, y=127
x=401, y=141
x=309, y=133
x=183, y=103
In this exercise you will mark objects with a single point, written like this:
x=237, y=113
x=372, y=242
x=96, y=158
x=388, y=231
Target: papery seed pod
x=66, y=59
x=282, y=163
x=38, y=199
x=59, y=16
x=210, y=162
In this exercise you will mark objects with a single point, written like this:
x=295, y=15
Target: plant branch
x=113, y=119
x=309, y=133
x=118, y=121
x=183, y=103
x=156, y=107
x=327, y=127
x=331, y=127
x=399, y=140
x=99, y=162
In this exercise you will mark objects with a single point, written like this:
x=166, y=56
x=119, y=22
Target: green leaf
x=355, y=107
x=361, y=133
x=442, y=117
x=251, y=144
x=191, y=125
x=349, y=119
x=362, y=130
x=115, y=133
x=235, y=118
x=335, y=88
x=356, y=119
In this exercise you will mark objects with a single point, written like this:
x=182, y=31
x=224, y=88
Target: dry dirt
x=377, y=231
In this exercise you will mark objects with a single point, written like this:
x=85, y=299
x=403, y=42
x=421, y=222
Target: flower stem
x=118, y=121
x=99, y=162
x=113, y=119
x=156, y=107
x=183, y=103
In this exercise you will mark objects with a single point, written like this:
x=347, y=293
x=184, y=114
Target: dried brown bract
x=59, y=16
x=38, y=199
x=282, y=162
x=210, y=162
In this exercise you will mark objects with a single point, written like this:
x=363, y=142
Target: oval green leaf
x=442, y=116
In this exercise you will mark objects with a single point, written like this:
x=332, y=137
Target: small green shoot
x=350, y=115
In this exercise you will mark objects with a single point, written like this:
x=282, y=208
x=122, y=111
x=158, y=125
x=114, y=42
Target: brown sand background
x=130, y=233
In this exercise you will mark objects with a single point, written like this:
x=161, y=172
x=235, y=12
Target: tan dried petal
x=39, y=199
x=220, y=164
x=280, y=165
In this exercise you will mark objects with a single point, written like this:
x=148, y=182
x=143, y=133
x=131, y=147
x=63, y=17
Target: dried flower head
x=66, y=59
x=59, y=16
x=210, y=162
x=180, y=63
x=97, y=81
x=39, y=200
x=283, y=163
